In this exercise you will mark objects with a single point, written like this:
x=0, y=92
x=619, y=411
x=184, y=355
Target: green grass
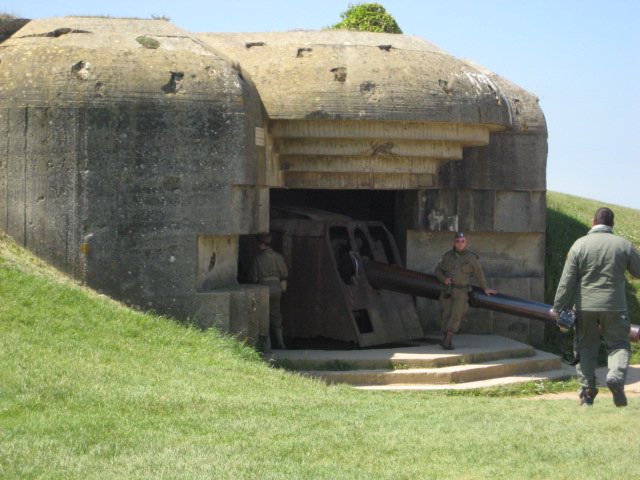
x=148, y=42
x=90, y=389
x=516, y=390
x=569, y=218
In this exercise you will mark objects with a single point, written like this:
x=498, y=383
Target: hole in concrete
x=340, y=74
x=304, y=52
x=82, y=70
x=254, y=44
x=386, y=48
x=363, y=321
x=175, y=83
x=367, y=87
x=518, y=104
x=385, y=148
x=57, y=33
x=369, y=91
x=445, y=86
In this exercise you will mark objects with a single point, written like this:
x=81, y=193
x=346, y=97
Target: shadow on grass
x=562, y=232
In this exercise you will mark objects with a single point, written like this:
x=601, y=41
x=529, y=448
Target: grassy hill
x=569, y=218
x=90, y=389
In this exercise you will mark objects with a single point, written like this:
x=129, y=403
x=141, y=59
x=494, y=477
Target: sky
x=580, y=58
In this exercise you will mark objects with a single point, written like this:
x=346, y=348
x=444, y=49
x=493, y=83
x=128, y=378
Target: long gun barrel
x=398, y=279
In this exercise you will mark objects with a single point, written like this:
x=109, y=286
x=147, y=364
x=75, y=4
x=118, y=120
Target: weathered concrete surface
x=421, y=353
x=124, y=142
x=363, y=76
x=135, y=155
x=478, y=361
x=444, y=375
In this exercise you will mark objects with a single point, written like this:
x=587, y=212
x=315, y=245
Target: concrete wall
x=120, y=156
x=497, y=195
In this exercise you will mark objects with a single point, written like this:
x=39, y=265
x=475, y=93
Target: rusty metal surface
x=398, y=279
x=512, y=305
x=326, y=297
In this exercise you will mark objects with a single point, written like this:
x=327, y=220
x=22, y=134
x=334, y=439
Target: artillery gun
x=347, y=282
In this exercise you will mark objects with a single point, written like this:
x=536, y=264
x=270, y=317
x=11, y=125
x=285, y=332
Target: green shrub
x=367, y=17
x=148, y=42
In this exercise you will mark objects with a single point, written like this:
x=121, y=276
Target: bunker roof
x=360, y=75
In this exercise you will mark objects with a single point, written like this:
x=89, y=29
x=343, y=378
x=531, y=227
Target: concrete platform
x=478, y=361
x=563, y=372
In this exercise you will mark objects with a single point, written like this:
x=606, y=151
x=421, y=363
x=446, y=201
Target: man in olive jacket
x=593, y=281
x=454, y=272
x=269, y=268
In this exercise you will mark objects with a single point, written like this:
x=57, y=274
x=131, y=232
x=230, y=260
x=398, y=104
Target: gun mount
x=347, y=282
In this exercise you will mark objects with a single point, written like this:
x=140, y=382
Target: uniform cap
x=264, y=237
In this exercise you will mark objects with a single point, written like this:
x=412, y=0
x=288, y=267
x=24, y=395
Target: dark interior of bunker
x=328, y=304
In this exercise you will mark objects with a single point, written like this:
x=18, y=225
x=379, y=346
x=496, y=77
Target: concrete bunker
x=145, y=172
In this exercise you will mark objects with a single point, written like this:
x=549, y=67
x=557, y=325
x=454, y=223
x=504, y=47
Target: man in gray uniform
x=454, y=272
x=593, y=281
x=269, y=268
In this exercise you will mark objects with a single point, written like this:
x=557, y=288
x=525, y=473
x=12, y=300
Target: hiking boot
x=617, y=388
x=447, y=341
x=587, y=396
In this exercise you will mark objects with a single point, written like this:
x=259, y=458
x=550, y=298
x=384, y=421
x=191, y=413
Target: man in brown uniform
x=269, y=268
x=454, y=271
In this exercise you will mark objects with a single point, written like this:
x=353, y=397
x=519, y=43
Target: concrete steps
x=478, y=361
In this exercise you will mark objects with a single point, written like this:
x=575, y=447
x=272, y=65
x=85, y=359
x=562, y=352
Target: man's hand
x=490, y=292
x=448, y=281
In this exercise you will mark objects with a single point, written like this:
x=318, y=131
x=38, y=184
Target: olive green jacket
x=460, y=267
x=593, y=275
x=268, y=268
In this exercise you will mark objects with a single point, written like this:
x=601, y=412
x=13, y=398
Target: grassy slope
x=90, y=389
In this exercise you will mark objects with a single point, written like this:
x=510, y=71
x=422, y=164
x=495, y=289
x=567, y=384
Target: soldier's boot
x=447, y=342
x=278, y=340
x=617, y=389
x=587, y=396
